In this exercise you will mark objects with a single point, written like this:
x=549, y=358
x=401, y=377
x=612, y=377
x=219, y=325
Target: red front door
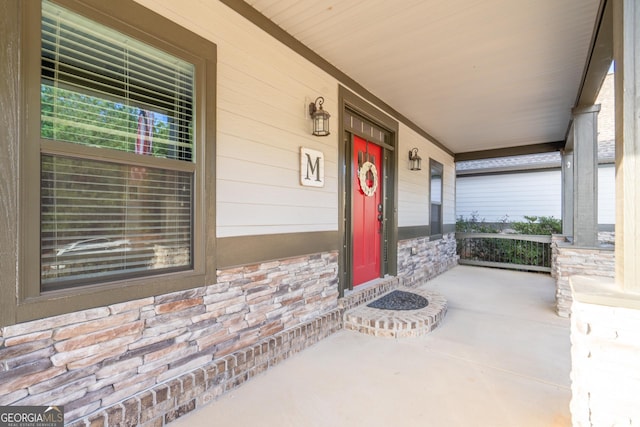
x=367, y=210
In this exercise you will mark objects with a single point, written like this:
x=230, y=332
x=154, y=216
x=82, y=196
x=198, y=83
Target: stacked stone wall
x=421, y=259
x=607, y=237
x=94, y=360
x=556, y=239
x=571, y=261
x=605, y=377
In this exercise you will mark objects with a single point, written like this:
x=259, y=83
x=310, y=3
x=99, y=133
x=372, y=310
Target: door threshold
x=368, y=291
x=369, y=284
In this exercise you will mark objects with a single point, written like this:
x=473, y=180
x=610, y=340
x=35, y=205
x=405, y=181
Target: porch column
x=626, y=52
x=567, y=193
x=606, y=313
x=585, y=176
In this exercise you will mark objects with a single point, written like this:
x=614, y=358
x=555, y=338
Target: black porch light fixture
x=320, y=117
x=415, y=161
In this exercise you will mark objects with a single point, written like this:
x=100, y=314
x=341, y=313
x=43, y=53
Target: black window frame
x=438, y=231
x=26, y=301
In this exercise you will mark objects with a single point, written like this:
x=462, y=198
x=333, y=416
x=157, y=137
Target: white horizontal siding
x=449, y=208
x=495, y=197
x=607, y=194
x=413, y=188
x=263, y=92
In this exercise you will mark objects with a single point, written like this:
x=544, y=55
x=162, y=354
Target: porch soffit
x=474, y=74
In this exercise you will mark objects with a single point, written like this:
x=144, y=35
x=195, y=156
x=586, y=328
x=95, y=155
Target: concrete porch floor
x=500, y=358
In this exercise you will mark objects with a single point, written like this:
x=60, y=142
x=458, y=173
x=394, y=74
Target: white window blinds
x=104, y=215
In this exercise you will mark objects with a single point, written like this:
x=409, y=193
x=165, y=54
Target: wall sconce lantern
x=320, y=117
x=415, y=161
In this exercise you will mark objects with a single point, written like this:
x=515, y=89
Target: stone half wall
x=149, y=360
x=421, y=259
x=571, y=261
x=605, y=378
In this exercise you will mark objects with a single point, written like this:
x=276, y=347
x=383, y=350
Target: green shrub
x=474, y=225
x=538, y=225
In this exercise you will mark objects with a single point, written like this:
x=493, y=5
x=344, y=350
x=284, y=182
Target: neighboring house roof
x=513, y=163
x=606, y=154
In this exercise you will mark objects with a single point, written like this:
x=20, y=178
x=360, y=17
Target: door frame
x=351, y=104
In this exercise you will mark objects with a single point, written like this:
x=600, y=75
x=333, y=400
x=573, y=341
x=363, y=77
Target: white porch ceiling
x=475, y=74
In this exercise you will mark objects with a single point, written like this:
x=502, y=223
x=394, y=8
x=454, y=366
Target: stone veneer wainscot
x=569, y=261
x=421, y=259
x=605, y=350
x=91, y=360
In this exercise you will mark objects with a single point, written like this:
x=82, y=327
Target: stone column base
x=605, y=354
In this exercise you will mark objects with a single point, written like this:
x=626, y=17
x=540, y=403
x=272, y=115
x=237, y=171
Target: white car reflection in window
x=95, y=246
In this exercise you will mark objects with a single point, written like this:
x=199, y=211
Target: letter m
x=313, y=167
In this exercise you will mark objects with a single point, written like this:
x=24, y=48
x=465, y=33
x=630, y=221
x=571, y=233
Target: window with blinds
x=119, y=202
x=435, y=196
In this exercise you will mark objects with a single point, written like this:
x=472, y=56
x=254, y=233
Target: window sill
x=54, y=303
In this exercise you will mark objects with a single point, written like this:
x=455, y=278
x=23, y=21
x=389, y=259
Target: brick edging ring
x=398, y=323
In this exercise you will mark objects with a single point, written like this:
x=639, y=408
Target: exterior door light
x=415, y=161
x=320, y=117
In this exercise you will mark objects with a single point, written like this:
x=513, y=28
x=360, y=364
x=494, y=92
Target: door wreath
x=363, y=175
